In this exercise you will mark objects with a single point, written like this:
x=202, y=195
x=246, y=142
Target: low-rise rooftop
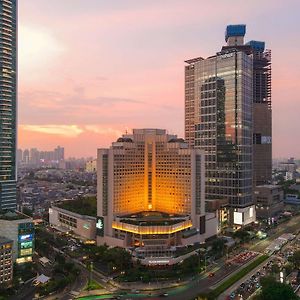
x=12, y=216
x=85, y=206
x=4, y=240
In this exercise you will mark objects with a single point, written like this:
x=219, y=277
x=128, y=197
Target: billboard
x=25, y=237
x=25, y=245
x=238, y=218
x=100, y=226
x=25, y=252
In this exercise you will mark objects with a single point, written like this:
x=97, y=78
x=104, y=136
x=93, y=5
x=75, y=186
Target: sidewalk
x=93, y=292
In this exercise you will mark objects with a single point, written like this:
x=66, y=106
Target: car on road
x=164, y=295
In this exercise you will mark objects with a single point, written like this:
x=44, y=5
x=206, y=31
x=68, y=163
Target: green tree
x=275, y=269
x=288, y=268
x=118, y=257
x=27, y=211
x=60, y=259
x=273, y=290
x=218, y=247
x=295, y=259
x=189, y=265
x=242, y=235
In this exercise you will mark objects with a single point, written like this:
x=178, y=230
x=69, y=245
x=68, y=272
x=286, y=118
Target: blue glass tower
x=8, y=103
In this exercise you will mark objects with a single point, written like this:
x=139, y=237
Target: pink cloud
x=122, y=65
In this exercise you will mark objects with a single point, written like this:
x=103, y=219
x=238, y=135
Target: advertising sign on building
x=100, y=226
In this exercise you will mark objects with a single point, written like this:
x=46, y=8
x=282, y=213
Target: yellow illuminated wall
x=150, y=173
x=173, y=181
x=128, y=174
x=152, y=229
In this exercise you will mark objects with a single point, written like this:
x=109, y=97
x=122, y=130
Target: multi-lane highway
x=203, y=283
x=187, y=290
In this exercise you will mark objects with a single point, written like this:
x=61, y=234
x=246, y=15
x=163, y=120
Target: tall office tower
x=34, y=156
x=151, y=194
x=8, y=103
x=19, y=156
x=26, y=156
x=262, y=109
x=59, y=153
x=227, y=97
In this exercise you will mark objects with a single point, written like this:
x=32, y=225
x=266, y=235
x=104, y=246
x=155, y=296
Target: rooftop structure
x=12, y=216
x=234, y=34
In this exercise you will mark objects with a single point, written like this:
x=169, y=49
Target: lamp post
x=90, y=268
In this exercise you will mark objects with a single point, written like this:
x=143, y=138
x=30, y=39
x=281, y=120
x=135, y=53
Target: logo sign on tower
x=100, y=226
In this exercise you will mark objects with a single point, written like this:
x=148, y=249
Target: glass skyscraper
x=8, y=103
x=222, y=93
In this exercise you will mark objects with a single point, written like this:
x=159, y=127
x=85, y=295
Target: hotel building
x=228, y=114
x=8, y=103
x=151, y=194
x=6, y=262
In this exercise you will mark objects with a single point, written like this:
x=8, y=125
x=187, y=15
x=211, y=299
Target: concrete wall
x=86, y=227
x=211, y=225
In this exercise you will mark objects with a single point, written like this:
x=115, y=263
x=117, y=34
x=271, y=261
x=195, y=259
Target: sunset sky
x=91, y=69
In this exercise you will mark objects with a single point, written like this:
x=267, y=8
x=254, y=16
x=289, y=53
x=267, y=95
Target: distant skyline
x=88, y=73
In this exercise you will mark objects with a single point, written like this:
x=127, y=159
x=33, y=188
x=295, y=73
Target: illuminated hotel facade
x=8, y=103
x=150, y=193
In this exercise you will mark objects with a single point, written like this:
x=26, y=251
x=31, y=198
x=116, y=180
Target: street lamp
x=90, y=268
x=281, y=277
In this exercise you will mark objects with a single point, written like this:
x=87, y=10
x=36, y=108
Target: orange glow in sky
x=89, y=69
